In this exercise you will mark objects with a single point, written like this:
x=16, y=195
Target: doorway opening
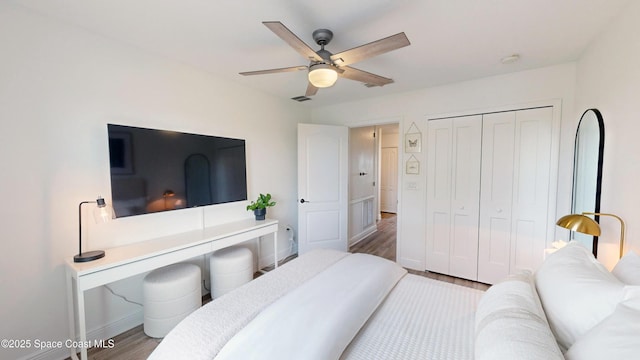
x=383, y=242
x=373, y=188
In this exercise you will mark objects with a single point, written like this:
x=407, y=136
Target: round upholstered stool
x=170, y=294
x=230, y=268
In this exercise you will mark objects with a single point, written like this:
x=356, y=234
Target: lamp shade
x=579, y=223
x=322, y=75
x=102, y=212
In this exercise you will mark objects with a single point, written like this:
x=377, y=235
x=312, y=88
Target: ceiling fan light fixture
x=322, y=75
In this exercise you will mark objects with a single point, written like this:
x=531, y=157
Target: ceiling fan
x=324, y=67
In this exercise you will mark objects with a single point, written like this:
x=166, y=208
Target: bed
x=328, y=304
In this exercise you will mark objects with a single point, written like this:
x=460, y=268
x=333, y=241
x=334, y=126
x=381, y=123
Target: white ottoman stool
x=170, y=294
x=230, y=268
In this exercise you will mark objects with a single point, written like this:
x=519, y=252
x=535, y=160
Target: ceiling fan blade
x=311, y=90
x=363, y=76
x=273, y=71
x=371, y=49
x=290, y=38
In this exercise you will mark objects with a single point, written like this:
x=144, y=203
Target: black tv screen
x=159, y=170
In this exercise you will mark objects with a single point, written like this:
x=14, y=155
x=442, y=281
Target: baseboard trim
x=266, y=261
x=117, y=327
x=411, y=264
x=357, y=238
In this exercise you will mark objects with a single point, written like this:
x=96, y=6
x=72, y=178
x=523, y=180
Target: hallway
x=381, y=243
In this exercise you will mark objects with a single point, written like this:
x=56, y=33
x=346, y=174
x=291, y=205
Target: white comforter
x=329, y=305
x=317, y=320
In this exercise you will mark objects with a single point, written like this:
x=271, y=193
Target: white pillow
x=515, y=292
x=510, y=323
x=576, y=291
x=627, y=269
x=616, y=337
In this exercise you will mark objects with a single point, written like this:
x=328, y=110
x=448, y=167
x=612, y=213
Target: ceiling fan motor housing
x=322, y=36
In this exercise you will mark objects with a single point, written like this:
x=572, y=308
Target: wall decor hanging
x=413, y=139
x=413, y=166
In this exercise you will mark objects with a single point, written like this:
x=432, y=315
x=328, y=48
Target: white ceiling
x=451, y=40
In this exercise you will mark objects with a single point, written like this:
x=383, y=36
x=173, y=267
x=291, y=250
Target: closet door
x=496, y=196
x=438, y=209
x=453, y=185
x=516, y=159
x=532, y=159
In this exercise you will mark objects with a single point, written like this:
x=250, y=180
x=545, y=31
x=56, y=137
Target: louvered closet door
x=453, y=184
x=516, y=151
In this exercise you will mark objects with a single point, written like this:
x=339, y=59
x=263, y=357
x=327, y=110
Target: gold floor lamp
x=586, y=225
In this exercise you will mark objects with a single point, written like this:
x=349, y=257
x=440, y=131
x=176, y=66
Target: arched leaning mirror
x=587, y=170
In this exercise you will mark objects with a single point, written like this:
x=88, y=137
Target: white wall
x=59, y=87
x=608, y=79
x=546, y=84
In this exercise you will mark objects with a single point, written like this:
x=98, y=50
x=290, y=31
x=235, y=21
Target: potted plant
x=260, y=206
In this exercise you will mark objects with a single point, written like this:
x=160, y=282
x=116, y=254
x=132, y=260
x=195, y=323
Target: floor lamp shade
x=579, y=223
x=101, y=213
x=586, y=225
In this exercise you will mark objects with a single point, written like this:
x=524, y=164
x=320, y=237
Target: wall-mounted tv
x=159, y=170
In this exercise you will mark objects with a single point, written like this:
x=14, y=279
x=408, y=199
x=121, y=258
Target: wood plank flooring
x=383, y=243
x=135, y=345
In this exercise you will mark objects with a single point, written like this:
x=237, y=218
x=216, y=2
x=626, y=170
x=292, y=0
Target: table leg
x=71, y=313
x=275, y=249
x=82, y=326
x=258, y=246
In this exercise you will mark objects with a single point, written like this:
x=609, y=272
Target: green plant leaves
x=263, y=202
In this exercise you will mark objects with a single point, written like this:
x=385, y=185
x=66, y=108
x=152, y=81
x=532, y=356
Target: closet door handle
x=498, y=211
x=302, y=201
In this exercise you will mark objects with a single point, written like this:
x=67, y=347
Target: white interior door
x=389, y=180
x=453, y=186
x=465, y=196
x=532, y=157
x=496, y=196
x=516, y=168
x=438, y=211
x=323, y=152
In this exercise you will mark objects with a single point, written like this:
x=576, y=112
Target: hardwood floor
x=135, y=345
x=383, y=243
x=130, y=345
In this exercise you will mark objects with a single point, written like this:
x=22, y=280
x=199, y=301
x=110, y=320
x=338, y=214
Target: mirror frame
x=597, y=196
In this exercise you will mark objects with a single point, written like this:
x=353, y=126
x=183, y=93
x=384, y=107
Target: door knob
x=302, y=201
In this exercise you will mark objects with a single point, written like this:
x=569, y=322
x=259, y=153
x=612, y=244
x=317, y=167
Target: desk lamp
x=101, y=213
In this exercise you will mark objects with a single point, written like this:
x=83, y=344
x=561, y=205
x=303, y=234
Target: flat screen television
x=158, y=170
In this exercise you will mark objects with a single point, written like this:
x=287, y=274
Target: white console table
x=125, y=261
